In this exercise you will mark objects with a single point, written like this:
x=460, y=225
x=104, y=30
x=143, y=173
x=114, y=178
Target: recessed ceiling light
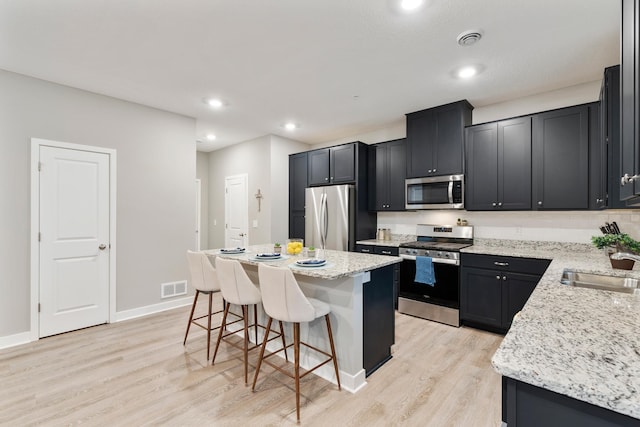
x=290, y=126
x=467, y=72
x=410, y=4
x=211, y=137
x=215, y=103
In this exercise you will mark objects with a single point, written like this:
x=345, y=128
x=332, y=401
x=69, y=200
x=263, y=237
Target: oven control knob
x=439, y=254
x=447, y=255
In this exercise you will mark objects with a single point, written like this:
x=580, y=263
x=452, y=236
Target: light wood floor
x=138, y=373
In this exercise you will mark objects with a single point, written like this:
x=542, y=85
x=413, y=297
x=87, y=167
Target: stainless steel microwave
x=436, y=192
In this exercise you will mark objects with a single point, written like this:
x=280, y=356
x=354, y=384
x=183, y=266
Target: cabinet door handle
x=500, y=204
x=495, y=204
x=504, y=277
x=539, y=202
x=625, y=179
x=326, y=179
x=498, y=277
x=501, y=264
x=434, y=170
x=429, y=171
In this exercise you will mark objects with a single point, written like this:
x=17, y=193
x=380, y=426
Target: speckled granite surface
x=395, y=241
x=339, y=264
x=583, y=343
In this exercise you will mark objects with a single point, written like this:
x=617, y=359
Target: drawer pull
x=501, y=264
x=366, y=251
x=385, y=252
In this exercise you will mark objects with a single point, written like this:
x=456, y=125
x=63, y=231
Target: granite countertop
x=339, y=263
x=395, y=241
x=583, y=343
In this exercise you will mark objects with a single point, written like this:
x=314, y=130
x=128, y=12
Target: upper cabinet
x=297, y=185
x=560, y=160
x=435, y=140
x=630, y=96
x=333, y=165
x=388, y=163
x=610, y=122
x=498, y=159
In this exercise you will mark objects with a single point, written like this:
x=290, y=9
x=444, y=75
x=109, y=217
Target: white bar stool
x=284, y=301
x=205, y=281
x=238, y=289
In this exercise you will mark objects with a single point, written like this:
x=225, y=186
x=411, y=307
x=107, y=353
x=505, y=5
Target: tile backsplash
x=565, y=226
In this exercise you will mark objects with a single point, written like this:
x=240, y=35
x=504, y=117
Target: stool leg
x=193, y=308
x=296, y=355
x=264, y=345
x=245, y=315
x=255, y=320
x=222, y=328
x=209, y=324
x=284, y=344
x=333, y=350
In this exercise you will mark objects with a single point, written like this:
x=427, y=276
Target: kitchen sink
x=600, y=281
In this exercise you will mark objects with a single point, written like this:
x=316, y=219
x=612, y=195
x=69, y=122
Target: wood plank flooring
x=138, y=373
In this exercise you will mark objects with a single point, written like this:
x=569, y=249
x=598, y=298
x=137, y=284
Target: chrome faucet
x=625, y=255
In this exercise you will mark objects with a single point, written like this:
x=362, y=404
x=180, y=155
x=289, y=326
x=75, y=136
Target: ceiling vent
x=467, y=38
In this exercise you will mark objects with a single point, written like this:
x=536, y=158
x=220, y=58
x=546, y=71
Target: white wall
x=266, y=162
x=155, y=200
x=550, y=226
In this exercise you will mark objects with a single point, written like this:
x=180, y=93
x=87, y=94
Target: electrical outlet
x=255, y=223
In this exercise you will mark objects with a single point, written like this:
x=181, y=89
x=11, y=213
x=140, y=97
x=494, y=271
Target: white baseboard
x=152, y=309
x=17, y=339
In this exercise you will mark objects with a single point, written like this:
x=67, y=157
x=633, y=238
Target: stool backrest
x=282, y=297
x=237, y=288
x=202, y=273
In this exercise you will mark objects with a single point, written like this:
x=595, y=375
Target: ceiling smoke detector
x=467, y=38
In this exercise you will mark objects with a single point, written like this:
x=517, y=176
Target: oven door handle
x=435, y=260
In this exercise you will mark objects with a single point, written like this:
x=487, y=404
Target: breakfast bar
x=359, y=289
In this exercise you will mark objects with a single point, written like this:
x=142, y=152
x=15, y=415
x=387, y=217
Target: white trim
x=198, y=208
x=152, y=309
x=14, y=340
x=36, y=143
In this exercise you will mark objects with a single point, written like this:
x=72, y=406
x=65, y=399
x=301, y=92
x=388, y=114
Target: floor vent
x=173, y=289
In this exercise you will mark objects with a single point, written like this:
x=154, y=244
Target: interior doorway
x=236, y=205
x=73, y=229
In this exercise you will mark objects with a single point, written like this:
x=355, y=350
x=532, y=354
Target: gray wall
x=266, y=162
x=202, y=173
x=155, y=200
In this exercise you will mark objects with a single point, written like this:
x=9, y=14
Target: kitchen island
x=359, y=289
x=571, y=352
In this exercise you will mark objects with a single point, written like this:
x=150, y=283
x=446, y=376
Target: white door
x=198, y=207
x=74, y=239
x=236, y=211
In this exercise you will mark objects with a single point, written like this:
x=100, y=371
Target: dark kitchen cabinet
x=494, y=288
x=630, y=108
x=498, y=160
x=297, y=186
x=378, y=319
x=597, y=159
x=560, y=159
x=435, y=139
x=610, y=128
x=333, y=165
x=385, y=250
x=387, y=191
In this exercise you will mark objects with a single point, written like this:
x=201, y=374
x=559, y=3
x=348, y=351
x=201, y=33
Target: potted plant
x=277, y=248
x=311, y=251
x=621, y=242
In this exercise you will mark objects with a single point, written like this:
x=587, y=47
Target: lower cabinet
x=525, y=405
x=385, y=250
x=378, y=319
x=494, y=288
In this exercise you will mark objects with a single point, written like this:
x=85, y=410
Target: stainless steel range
x=440, y=301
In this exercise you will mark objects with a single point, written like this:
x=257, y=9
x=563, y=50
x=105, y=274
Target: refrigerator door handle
x=323, y=218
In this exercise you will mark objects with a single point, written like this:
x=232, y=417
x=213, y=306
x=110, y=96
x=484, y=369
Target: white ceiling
x=273, y=61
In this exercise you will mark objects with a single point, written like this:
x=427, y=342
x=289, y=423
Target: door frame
x=198, y=213
x=226, y=204
x=36, y=143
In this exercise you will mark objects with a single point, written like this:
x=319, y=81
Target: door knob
x=102, y=247
x=241, y=234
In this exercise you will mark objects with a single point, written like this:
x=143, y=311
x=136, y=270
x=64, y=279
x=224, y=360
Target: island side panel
x=379, y=318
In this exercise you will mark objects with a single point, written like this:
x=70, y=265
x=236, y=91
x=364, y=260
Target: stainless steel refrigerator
x=330, y=217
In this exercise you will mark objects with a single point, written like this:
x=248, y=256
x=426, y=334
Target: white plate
x=232, y=251
x=311, y=263
x=263, y=258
